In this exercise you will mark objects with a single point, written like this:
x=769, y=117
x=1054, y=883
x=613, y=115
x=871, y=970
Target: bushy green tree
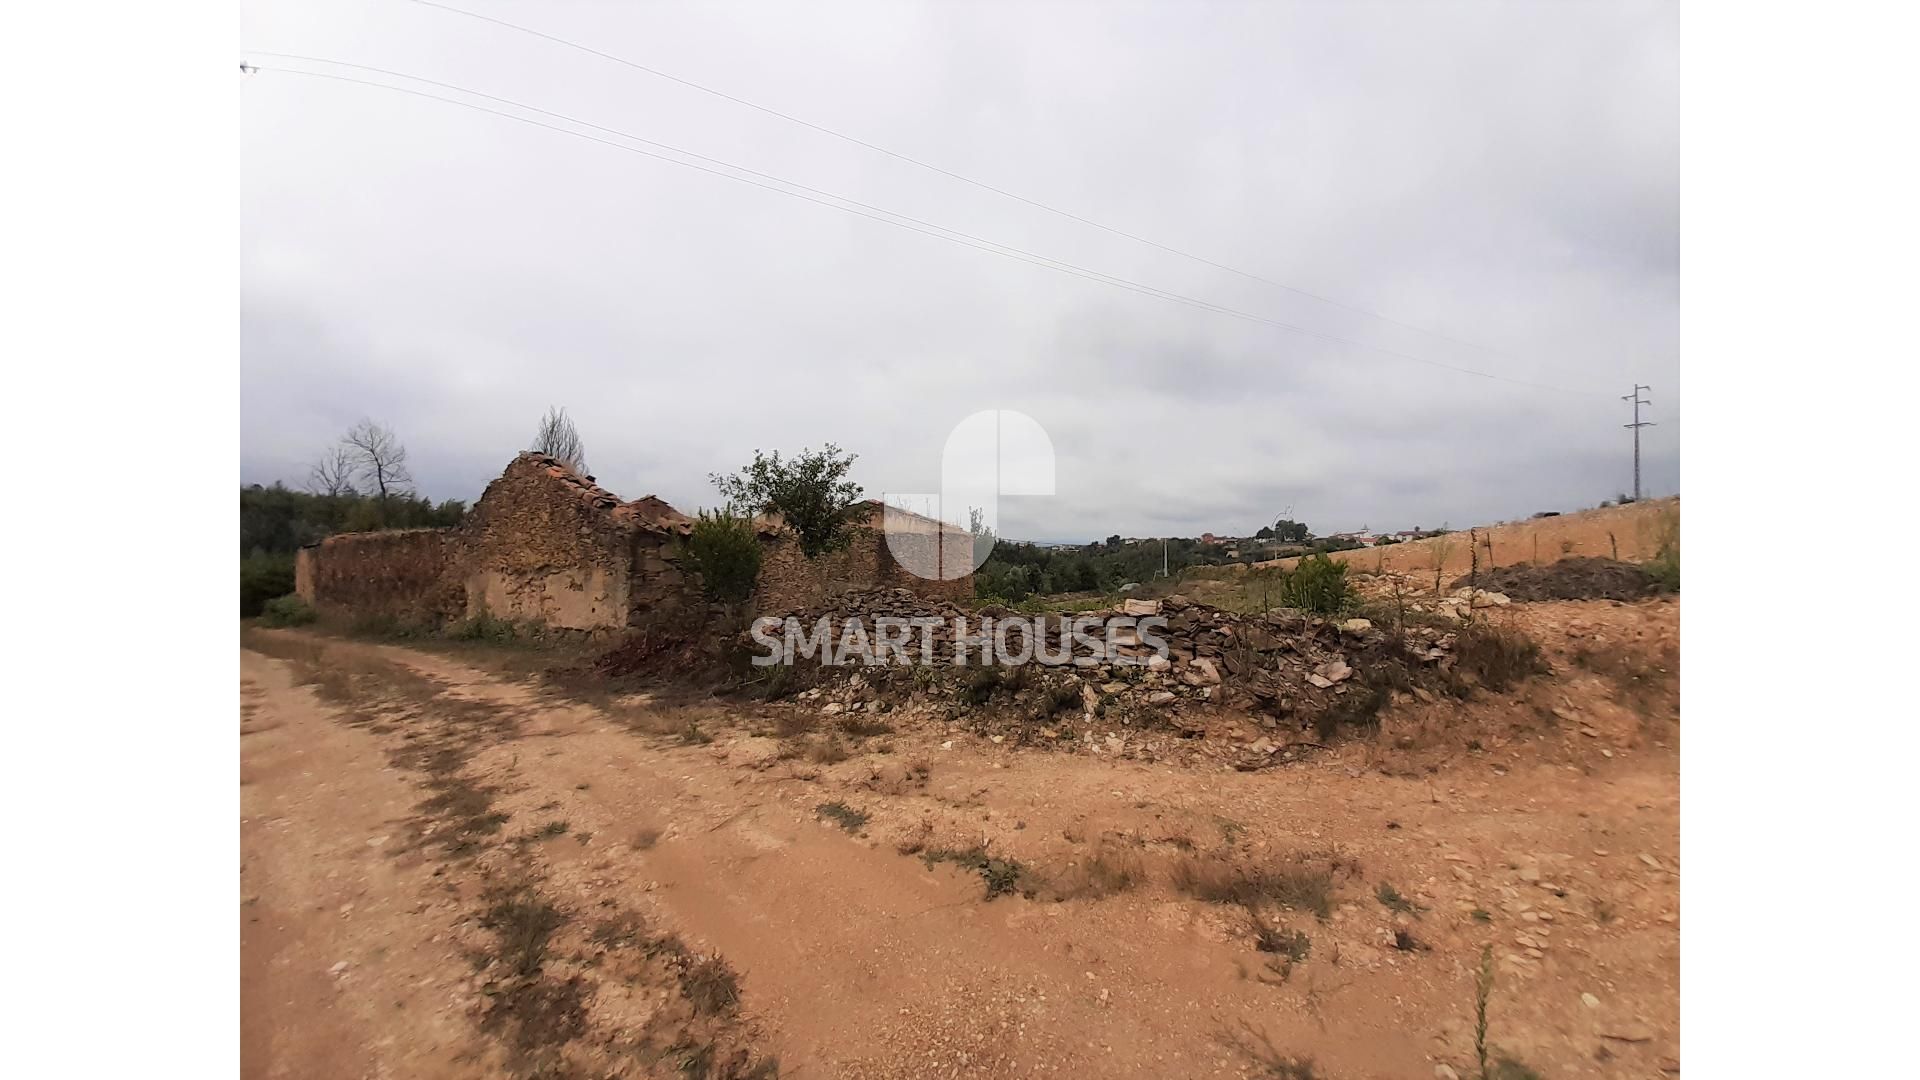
x=809, y=491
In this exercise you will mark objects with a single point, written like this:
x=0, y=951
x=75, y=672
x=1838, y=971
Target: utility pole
x=1636, y=426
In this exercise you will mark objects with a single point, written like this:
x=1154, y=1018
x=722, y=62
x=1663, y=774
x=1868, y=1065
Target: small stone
x=1319, y=681
x=1634, y=1033
x=1355, y=626
x=1650, y=860
x=1445, y=1072
x=1202, y=672
x=1160, y=697
x=832, y=708
x=337, y=968
x=1590, y=1001
x=1333, y=670
x=1530, y=873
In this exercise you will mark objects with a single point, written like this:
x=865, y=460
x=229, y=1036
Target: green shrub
x=726, y=551
x=263, y=576
x=1317, y=584
x=288, y=610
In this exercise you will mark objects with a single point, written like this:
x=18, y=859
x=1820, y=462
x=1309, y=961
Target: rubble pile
x=1284, y=668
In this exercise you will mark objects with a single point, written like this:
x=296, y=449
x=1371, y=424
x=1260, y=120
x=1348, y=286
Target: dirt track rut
x=374, y=943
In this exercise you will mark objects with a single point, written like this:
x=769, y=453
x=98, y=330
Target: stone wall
x=545, y=545
x=790, y=581
x=397, y=573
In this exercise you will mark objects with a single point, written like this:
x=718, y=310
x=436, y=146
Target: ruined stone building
x=545, y=545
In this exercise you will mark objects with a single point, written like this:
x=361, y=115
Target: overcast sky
x=1505, y=175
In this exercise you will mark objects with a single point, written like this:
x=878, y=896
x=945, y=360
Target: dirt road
x=447, y=872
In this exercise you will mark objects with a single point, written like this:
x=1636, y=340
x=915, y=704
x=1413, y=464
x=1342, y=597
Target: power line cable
x=874, y=213
x=981, y=184
x=724, y=164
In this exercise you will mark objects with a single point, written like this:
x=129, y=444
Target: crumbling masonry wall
x=545, y=545
x=385, y=573
x=790, y=581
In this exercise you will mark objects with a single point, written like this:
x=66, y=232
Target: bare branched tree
x=378, y=460
x=560, y=440
x=333, y=473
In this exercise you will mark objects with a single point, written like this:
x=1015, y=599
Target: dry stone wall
x=543, y=545
x=397, y=573
x=548, y=546
x=790, y=581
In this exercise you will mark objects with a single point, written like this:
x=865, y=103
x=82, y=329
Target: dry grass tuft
x=1300, y=883
x=711, y=987
x=827, y=751
x=1110, y=869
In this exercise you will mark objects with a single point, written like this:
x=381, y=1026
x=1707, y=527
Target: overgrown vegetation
x=277, y=521
x=1002, y=876
x=809, y=491
x=1290, y=884
x=1016, y=571
x=287, y=610
x=1317, y=584
x=726, y=552
x=1495, y=657
x=842, y=815
x=264, y=575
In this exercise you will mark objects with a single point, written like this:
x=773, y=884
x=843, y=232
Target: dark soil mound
x=1577, y=578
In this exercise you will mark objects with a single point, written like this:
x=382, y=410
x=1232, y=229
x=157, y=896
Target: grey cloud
x=1503, y=174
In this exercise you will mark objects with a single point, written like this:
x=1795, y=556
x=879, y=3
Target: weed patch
x=1002, y=876
x=1105, y=872
x=1492, y=656
x=711, y=987
x=1391, y=897
x=287, y=610
x=842, y=815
